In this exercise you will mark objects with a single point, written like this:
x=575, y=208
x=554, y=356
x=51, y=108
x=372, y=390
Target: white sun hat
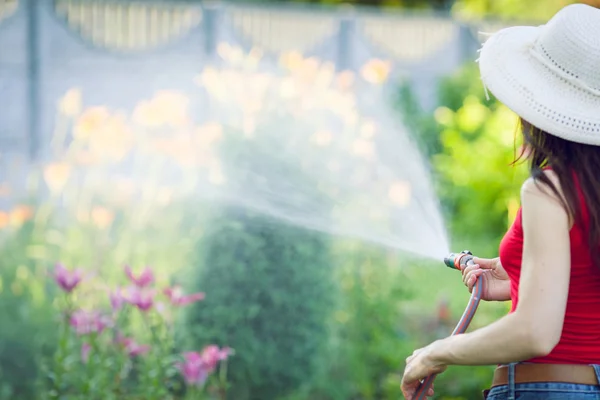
x=550, y=75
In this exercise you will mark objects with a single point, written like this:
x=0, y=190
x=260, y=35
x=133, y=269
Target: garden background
x=103, y=160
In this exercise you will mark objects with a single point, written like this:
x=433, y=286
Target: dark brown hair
x=573, y=163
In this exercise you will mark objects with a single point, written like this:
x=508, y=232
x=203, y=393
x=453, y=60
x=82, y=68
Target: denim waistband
x=511, y=390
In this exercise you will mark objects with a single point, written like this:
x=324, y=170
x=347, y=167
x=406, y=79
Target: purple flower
x=133, y=348
x=142, y=298
x=144, y=279
x=177, y=298
x=116, y=299
x=86, y=322
x=66, y=279
x=193, y=369
x=211, y=355
x=197, y=366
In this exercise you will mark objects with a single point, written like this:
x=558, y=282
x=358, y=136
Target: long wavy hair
x=575, y=164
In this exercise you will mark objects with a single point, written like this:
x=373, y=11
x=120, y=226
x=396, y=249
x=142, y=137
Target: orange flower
x=174, y=107
x=70, y=104
x=114, y=140
x=4, y=219
x=292, y=60
x=376, y=71
x=102, y=217
x=146, y=115
x=90, y=121
x=165, y=108
x=400, y=193
x=56, y=176
x=20, y=214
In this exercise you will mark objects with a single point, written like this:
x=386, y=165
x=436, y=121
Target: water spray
x=458, y=261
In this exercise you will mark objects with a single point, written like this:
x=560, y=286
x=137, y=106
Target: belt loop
x=511, y=381
x=597, y=371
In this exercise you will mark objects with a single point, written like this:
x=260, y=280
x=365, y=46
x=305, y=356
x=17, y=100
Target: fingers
x=469, y=269
x=470, y=275
x=484, y=263
x=409, y=391
x=417, y=351
x=472, y=279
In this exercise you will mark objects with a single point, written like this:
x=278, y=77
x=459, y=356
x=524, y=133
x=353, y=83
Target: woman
x=548, y=346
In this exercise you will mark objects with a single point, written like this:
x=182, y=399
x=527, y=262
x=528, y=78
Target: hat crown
x=570, y=44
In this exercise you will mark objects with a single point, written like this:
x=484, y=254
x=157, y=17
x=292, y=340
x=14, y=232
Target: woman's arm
x=535, y=327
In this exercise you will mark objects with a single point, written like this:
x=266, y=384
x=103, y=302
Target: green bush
x=268, y=295
x=26, y=333
x=372, y=328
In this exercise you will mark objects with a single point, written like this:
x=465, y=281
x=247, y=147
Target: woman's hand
x=418, y=366
x=496, y=283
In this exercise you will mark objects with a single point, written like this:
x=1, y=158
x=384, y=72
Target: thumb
x=484, y=263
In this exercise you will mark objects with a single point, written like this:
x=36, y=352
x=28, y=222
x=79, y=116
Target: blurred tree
x=269, y=285
x=440, y=5
x=520, y=10
x=513, y=9
x=471, y=143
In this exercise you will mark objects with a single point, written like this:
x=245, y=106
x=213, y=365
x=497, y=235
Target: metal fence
x=133, y=48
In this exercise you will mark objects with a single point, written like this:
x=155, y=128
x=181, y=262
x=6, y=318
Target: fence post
x=33, y=77
x=211, y=16
x=346, y=36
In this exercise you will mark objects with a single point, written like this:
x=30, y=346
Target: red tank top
x=580, y=340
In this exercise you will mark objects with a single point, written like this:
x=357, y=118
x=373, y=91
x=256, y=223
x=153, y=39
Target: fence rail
x=108, y=47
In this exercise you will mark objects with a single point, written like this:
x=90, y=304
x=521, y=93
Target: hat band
x=560, y=72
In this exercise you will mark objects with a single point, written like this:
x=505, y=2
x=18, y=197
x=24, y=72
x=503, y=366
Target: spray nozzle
x=458, y=260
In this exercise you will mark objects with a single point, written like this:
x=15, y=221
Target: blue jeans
x=544, y=390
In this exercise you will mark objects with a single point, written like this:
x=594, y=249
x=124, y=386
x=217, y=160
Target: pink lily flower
x=86, y=322
x=116, y=299
x=133, y=348
x=66, y=279
x=193, y=369
x=197, y=366
x=212, y=355
x=143, y=299
x=144, y=279
x=177, y=298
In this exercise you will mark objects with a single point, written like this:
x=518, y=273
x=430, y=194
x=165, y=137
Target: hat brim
x=536, y=91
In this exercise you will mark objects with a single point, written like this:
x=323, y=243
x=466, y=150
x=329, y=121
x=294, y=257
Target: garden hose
x=459, y=262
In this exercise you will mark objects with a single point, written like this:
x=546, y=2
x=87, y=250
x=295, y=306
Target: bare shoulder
x=532, y=187
x=537, y=195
